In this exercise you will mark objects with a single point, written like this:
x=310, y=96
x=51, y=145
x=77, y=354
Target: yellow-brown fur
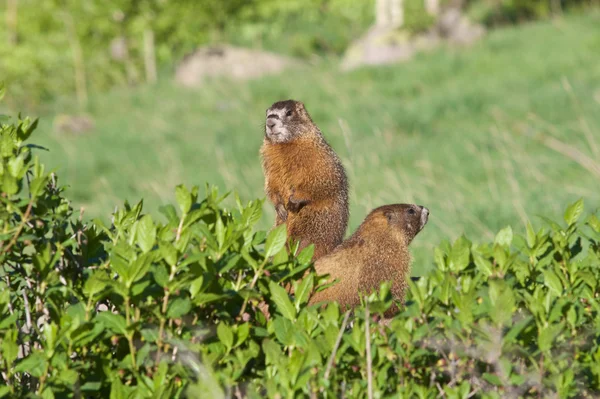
x=376, y=252
x=304, y=179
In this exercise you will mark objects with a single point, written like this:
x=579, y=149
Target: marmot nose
x=270, y=124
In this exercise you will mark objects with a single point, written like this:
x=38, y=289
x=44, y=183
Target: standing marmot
x=304, y=178
x=376, y=252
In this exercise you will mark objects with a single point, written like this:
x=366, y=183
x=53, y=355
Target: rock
x=454, y=27
x=386, y=45
x=118, y=48
x=380, y=46
x=75, y=124
x=227, y=61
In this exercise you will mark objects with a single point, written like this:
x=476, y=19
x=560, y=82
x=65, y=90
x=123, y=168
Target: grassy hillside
x=454, y=130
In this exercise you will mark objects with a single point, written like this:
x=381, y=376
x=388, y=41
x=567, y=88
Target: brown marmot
x=376, y=252
x=304, y=178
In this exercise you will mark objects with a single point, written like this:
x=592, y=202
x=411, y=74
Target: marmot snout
x=376, y=252
x=304, y=178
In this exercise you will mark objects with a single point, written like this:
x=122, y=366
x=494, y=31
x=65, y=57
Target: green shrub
x=144, y=308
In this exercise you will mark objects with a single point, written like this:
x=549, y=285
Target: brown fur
x=306, y=182
x=376, y=252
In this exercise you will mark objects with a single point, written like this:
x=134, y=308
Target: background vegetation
x=57, y=47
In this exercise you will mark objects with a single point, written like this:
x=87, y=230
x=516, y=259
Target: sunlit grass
x=457, y=130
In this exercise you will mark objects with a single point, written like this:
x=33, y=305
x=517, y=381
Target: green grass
x=453, y=130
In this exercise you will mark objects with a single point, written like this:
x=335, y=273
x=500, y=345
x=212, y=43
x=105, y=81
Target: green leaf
x=503, y=301
x=284, y=331
x=68, y=377
x=9, y=347
x=572, y=316
x=4, y=390
x=281, y=257
x=303, y=291
x=548, y=335
x=184, y=198
x=220, y=232
x=516, y=329
x=91, y=386
x=275, y=240
x=24, y=134
x=573, y=212
x=168, y=253
x=15, y=166
x=243, y=332
x=272, y=351
x=483, y=264
x=552, y=281
x=114, y=322
x=594, y=223
x=8, y=321
x=305, y=256
x=37, y=185
x=118, y=390
x=504, y=237
x=179, y=307
x=531, y=237
x=50, y=333
x=225, y=334
x=146, y=233
x=459, y=255
x=139, y=268
x=9, y=184
x=282, y=300
x=492, y=379
x=161, y=275
x=169, y=212
x=196, y=285
x=34, y=364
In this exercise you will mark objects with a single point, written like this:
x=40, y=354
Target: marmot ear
x=389, y=215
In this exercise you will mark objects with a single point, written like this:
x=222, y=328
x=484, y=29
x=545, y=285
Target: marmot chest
x=293, y=167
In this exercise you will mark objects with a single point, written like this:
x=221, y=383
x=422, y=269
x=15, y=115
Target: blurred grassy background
x=457, y=130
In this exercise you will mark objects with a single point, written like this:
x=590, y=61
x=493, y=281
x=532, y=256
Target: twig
x=252, y=284
x=11, y=22
x=10, y=308
x=78, y=61
x=27, y=312
x=336, y=346
x=369, y=360
x=439, y=387
x=582, y=121
x=180, y=227
x=573, y=153
x=13, y=241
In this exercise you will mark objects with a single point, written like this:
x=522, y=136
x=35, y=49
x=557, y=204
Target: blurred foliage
x=416, y=18
x=143, y=308
x=44, y=38
x=501, y=12
x=41, y=62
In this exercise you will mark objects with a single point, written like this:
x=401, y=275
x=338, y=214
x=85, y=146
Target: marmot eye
x=289, y=113
x=411, y=211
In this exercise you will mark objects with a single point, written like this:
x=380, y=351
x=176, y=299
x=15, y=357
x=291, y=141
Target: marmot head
x=402, y=220
x=286, y=120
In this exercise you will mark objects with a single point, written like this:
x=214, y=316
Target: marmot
x=304, y=178
x=376, y=252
